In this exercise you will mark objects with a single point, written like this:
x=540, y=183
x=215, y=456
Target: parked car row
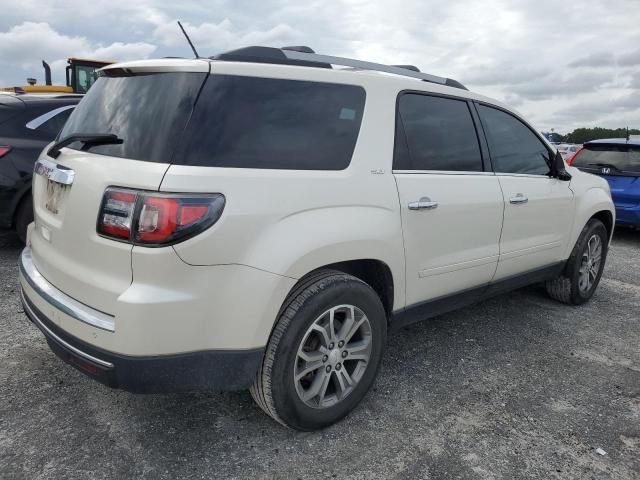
x=28, y=122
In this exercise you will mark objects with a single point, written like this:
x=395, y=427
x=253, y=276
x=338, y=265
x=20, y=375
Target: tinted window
x=149, y=112
x=9, y=107
x=438, y=135
x=250, y=122
x=619, y=158
x=514, y=147
x=53, y=126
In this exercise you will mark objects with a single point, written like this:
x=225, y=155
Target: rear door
x=538, y=213
x=148, y=112
x=451, y=207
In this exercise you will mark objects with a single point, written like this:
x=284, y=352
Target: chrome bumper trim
x=57, y=339
x=60, y=300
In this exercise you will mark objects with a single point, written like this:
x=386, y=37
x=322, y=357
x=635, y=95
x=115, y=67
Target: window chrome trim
x=531, y=175
x=60, y=300
x=45, y=117
x=445, y=172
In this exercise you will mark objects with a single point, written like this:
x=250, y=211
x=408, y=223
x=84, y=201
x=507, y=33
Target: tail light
x=4, y=149
x=156, y=219
x=570, y=159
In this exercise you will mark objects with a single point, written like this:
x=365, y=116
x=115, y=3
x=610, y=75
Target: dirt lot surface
x=518, y=386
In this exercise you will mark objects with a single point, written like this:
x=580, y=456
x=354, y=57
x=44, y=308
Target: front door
x=538, y=213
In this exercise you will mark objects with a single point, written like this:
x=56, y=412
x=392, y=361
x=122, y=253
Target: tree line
x=582, y=135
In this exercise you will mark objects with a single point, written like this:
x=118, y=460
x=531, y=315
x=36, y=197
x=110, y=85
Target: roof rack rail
x=304, y=56
x=413, y=68
x=278, y=56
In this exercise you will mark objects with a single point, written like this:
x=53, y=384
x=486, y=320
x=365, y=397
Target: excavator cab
x=80, y=75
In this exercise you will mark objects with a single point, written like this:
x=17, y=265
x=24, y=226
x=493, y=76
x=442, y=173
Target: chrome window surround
x=460, y=172
x=445, y=172
x=60, y=300
x=45, y=117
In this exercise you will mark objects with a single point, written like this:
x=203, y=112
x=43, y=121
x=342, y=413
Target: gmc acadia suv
x=263, y=218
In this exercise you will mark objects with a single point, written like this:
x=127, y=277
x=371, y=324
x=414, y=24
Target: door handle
x=424, y=203
x=518, y=199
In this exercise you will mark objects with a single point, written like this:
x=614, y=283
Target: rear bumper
x=207, y=370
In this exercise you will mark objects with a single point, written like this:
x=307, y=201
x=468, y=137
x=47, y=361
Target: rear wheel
x=24, y=216
x=584, y=268
x=324, y=352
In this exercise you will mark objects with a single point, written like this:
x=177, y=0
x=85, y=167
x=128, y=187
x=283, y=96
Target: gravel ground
x=515, y=387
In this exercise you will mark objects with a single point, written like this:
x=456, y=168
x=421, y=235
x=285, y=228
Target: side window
x=514, y=147
x=435, y=133
x=269, y=123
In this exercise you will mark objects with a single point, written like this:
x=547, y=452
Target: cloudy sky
x=562, y=64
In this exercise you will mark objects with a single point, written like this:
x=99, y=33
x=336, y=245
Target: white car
x=262, y=219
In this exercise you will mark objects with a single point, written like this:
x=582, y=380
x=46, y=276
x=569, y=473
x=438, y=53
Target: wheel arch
x=374, y=273
x=606, y=217
x=593, y=202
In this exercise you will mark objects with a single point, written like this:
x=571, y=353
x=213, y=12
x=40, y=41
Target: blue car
x=618, y=161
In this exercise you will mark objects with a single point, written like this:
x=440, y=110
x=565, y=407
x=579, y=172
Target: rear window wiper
x=88, y=139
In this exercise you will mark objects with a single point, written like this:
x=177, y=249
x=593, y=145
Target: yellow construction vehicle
x=80, y=75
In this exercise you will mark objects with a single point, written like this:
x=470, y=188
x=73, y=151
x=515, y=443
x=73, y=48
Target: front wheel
x=577, y=284
x=324, y=352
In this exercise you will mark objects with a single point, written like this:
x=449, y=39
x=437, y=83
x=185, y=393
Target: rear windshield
x=242, y=122
x=249, y=122
x=148, y=112
x=619, y=158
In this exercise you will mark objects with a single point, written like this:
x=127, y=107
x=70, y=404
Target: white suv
x=262, y=219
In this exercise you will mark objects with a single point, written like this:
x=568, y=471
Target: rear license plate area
x=54, y=196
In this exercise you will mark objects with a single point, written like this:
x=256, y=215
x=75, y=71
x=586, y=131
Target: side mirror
x=558, y=169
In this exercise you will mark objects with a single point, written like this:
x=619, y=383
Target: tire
x=570, y=287
x=276, y=390
x=24, y=216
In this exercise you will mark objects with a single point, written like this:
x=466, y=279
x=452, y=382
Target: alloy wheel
x=590, y=265
x=333, y=356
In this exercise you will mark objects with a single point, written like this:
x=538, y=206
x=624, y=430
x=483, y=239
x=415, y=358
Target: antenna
x=627, y=134
x=188, y=40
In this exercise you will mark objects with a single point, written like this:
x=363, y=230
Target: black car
x=28, y=122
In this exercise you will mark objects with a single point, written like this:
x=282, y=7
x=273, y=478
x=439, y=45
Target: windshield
x=620, y=158
x=148, y=112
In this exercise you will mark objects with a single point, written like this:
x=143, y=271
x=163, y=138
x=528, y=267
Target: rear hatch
x=619, y=163
x=147, y=107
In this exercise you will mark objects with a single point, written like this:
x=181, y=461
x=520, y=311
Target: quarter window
x=435, y=133
x=270, y=123
x=514, y=147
